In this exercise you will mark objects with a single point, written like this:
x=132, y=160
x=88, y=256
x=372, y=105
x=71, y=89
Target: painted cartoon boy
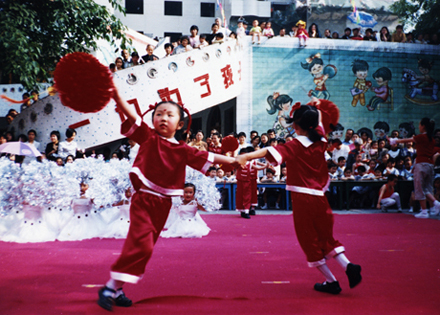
x=360, y=86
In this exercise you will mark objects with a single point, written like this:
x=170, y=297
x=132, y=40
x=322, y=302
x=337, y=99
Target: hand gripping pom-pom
x=329, y=112
x=229, y=144
x=83, y=83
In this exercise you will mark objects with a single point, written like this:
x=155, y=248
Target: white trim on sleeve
x=276, y=155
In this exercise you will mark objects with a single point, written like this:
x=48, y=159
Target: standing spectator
x=126, y=61
x=26, y=104
x=119, y=64
x=149, y=56
x=69, y=146
x=335, y=35
x=340, y=150
x=194, y=38
x=52, y=147
x=314, y=31
x=327, y=34
x=356, y=34
x=369, y=35
x=385, y=34
x=348, y=135
x=199, y=143
x=112, y=67
x=420, y=40
x=347, y=33
x=136, y=60
x=183, y=47
x=32, y=134
x=398, y=35
x=410, y=38
x=240, y=31
x=226, y=32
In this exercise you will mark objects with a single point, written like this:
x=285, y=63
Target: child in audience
x=341, y=166
x=270, y=178
x=332, y=171
x=390, y=169
x=307, y=179
x=348, y=175
x=387, y=195
x=268, y=31
x=407, y=172
x=168, y=49
x=189, y=223
x=158, y=174
x=212, y=172
x=241, y=32
x=283, y=176
x=203, y=41
x=302, y=33
x=255, y=32
x=229, y=177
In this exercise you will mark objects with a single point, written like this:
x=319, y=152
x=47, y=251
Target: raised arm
x=124, y=107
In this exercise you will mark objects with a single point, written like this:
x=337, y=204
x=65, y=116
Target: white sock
x=342, y=260
x=424, y=211
x=436, y=203
x=329, y=277
x=114, y=284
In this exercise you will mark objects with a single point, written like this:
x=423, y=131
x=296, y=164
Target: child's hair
x=242, y=134
x=194, y=27
x=168, y=45
x=212, y=168
x=383, y=73
x=219, y=36
x=306, y=117
x=112, y=66
x=391, y=177
x=70, y=132
x=183, y=38
x=347, y=170
x=190, y=185
x=202, y=36
x=310, y=65
x=391, y=160
x=337, y=142
x=330, y=165
x=361, y=169
x=429, y=125
x=134, y=54
x=56, y=133
x=272, y=141
x=181, y=112
x=341, y=158
x=270, y=131
x=33, y=131
x=271, y=171
x=359, y=65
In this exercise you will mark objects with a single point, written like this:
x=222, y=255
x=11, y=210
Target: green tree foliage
x=423, y=15
x=34, y=35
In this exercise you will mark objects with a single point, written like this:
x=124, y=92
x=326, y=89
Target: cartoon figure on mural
x=383, y=91
x=406, y=130
x=281, y=103
x=423, y=84
x=320, y=74
x=337, y=133
x=381, y=129
x=361, y=85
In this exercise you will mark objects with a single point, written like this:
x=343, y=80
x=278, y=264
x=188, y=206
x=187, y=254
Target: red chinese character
x=205, y=81
x=227, y=76
x=165, y=95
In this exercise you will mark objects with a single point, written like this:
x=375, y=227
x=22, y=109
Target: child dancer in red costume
x=154, y=187
x=307, y=180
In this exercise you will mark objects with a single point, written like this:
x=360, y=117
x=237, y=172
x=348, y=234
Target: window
x=207, y=9
x=173, y=36
x=134, y=6
x=173, y=8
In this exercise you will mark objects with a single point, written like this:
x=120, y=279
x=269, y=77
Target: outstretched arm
x=223, y=159
x=243, y=158
x=124, y=107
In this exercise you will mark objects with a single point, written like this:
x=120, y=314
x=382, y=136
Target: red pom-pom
x=329, y=114
x=227, y=168
x=229, y=144
x=83, y=83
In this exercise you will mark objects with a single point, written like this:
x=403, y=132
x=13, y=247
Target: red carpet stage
x=242, y=267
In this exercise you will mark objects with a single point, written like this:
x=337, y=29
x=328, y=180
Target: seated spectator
x=332, y=171
x=126, y=62
x=427, y=38
x=391, y=169
x=314, y=31
x=420, y=39
x=385, y=34
x=32, y=134
x=268, y=31
x=255, y=32
x=347, y=33
x=358, y=163
x=222, y=29
x=194, y=38
x=69, y=146
x=229, y=177
x=70, y=159
x=398, y=36
x=356, y=34
x=199, y=143
x=339, y=150
x=168, y=49
x=327, y=34
x=59, y=161
x=149, y=56
x=119, y=63
x=372, y=166
x=341, y=166
x=240, y=31
x=52, y=147
x=407, y=172
x=34, y=96
x=335, y=35
x=369, y=35
x=212, y=173
x=353, y=153
x=348, y=174
x=283, y=176
x=387, y=195
x=135, y=59
x=360, y=194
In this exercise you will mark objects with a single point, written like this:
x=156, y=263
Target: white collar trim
x=304, y=141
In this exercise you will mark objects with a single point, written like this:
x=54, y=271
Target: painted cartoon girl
x=381, y=129
x=337, y=133
x=406, y=130
x=281, y=103
x=320, y=74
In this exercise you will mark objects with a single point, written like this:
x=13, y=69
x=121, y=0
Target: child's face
x=255, y=23
x=150, y=50
x=83, y=187
x=358, y=158
x=220, y=173
x=242, y=139
x=202, y=40
x=269, y=175
x=361, y=74
x=184, y=42
x=168, y=50
x=408, y=164
x=377, y=173
x=274, y=143
x=215, y=28
x=69, y=159
x=268, y=25
x=59, y=161
x=228, y=174
x=372, y=164
x=333, y=169
x=347, y=173
x=341, y=163
x=188, y=193
x=374, y=145
x=390, y=164
x=393, y=182
x=213, y=173
x=240, y=24
x=166, y=120
x=284, y=171
x=194, y=32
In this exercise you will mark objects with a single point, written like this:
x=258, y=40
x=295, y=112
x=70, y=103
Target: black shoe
x=106, y=302
x=122, y=300
x=252, y=212
x=353, y=273
x=328, y=287
x=245, y=215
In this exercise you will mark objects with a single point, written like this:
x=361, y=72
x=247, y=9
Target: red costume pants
x=243, y=195
x=148, y=214
x=313, y=221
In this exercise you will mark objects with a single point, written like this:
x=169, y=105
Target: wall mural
x=376, y=91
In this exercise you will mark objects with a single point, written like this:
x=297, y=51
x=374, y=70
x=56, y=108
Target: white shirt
x=67, y=148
